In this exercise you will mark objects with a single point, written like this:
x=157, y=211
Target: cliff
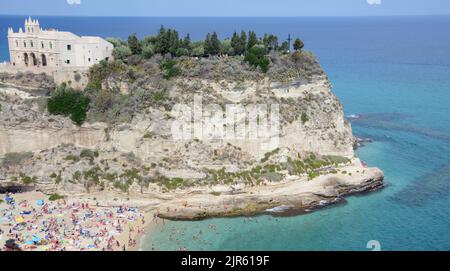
x=312, y=165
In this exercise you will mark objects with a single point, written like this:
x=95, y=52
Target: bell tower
x=32, y=26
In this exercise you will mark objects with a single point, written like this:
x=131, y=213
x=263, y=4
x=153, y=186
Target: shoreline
x=290, y=198
x=299, y=195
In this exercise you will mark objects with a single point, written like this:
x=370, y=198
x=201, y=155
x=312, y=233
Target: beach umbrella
x=19, y=219
x=40, y=202
x=36, y=239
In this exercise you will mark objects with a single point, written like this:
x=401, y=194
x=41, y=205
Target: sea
x=393, y=76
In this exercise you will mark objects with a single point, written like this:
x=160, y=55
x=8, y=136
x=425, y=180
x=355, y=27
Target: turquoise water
x=395, y=73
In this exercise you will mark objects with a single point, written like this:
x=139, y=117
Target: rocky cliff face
x=315, y=143
x=322, y=131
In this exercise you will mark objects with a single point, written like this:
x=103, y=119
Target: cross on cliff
x=289, y=39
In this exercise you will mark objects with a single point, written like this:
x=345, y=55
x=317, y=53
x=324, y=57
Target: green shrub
x=158, y=96
x=148, y=135
x=68, y=102
x=304, y=118
x=148, y=51
x=121, y=52
x=257, y=57
x=337, y=159
x=16, y=158
x=77, y=176
x=55, y=197
x=99, y=72
x=86, y=153
x=27, y=180
x=72, y=158
x=170, y=69
x=313, y=175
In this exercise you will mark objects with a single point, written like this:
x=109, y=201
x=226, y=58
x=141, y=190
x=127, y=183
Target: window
x=17, y=43
x=68, y=61
x=51, y=45
x=89, y=59
x=42, y=44
x=31, y=43
x=25, y=44
x=69, y=47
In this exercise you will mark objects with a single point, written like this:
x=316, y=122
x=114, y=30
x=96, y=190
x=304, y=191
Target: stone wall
x=77, y=78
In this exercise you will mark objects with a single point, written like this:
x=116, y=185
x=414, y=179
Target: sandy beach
x=74, y=224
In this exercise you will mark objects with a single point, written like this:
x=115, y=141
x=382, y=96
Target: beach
x=72, y=224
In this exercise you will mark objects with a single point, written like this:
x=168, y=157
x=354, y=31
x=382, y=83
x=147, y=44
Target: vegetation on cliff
x=68, y=102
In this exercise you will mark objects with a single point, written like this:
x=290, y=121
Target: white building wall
x=61, y=49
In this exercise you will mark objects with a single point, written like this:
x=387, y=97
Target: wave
x=280, y=209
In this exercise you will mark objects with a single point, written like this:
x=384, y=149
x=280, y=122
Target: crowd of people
x=67, y=225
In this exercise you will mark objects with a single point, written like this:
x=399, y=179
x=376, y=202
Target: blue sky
x=224, y=7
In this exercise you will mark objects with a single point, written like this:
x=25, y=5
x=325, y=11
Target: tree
x=121, y=52
x=134, y=44
x=162, y=45
x=252, y=40
x=284, y=47
x=174, y=41
x=147, y=51
x=215, y=44
x=212, y=44
x=235, y=42
x=207, y=44
x=298, y=44
x=197, y=49
x=257, y=57
x=116, y=42
x=270, y=41
x=226, y=48
x=186, y=41
x=243, y=42
x=167, y=41
x=239, y=43
x=182, y=52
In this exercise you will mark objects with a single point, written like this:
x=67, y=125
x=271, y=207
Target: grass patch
x=55, y=197
x=16, y=158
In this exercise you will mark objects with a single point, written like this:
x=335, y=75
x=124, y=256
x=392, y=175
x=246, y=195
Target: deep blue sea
x=392, y=71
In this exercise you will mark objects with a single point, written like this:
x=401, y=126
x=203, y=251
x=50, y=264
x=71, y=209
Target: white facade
x=35, y=47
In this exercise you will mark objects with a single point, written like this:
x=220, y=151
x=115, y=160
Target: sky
x=224, y=7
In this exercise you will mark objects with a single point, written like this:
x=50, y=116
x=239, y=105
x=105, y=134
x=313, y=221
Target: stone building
x=36, y=48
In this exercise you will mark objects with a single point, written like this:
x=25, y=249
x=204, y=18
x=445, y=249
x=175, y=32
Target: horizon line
x=232, y=16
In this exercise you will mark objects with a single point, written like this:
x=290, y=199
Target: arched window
x=43, y=60
x=42, y=44
x=31, y=43
x=51, y=45
x=25, y=44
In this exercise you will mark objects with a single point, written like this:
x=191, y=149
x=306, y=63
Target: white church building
x=35, y=48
